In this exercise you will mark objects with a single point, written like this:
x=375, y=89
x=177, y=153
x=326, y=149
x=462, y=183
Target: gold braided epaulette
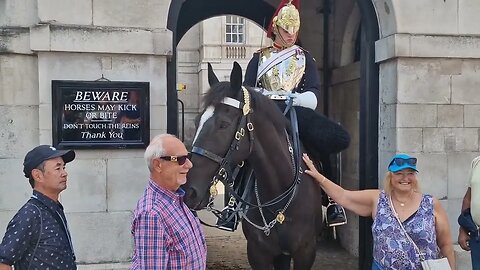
x=264, y=49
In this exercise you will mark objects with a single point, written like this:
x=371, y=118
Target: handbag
x=435, y=264
x=430, y=264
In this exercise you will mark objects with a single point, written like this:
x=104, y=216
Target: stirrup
x=228, y=220
x=335, y=214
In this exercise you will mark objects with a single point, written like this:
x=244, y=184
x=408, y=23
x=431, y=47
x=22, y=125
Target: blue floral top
x=391, y=248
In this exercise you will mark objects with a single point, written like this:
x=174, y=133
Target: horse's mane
x=271, y=110
x=260, y=103
x=217, y=93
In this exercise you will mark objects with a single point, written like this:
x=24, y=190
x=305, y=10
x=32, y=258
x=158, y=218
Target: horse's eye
x=224, y=124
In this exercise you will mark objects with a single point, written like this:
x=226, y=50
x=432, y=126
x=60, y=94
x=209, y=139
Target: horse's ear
x=212, y=78
x=236, y=76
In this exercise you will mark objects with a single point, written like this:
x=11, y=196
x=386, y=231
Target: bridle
x=225, y=173
x=225, y=163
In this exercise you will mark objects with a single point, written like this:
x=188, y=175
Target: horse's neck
x=272, y=162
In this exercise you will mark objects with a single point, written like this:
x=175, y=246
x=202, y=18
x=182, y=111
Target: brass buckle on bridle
x=239, y=134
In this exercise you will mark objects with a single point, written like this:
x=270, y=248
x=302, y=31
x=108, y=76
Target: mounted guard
x=287, y=73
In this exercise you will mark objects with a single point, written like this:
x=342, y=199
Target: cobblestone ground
x=229, y=252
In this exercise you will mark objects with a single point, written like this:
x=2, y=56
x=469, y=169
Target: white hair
x=155, y=149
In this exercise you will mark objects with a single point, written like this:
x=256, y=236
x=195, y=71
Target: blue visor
x=402, y=161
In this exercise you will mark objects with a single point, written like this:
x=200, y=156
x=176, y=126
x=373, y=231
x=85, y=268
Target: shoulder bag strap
x=39, y=235
x=54, y=214
x=420, y=254
x=59, y=220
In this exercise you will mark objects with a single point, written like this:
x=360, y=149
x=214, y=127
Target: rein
x=224, y=172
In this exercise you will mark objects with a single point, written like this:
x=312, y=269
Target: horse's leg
x=282, y=262
x=257, y=258
x=304, y=258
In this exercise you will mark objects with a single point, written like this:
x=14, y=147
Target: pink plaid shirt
x=166, y=233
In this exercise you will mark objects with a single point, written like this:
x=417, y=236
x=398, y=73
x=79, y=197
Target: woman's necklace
x=402, y=203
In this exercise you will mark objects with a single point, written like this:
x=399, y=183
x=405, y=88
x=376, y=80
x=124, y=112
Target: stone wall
x=80, y=40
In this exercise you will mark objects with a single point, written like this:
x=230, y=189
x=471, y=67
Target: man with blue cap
x=38, y=237
x=405, y=220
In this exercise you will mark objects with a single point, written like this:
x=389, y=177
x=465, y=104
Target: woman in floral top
x=422, y=216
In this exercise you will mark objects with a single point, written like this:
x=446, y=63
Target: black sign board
x=100, y=114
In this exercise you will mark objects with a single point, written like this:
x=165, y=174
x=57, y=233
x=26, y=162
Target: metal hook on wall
x=102, y=79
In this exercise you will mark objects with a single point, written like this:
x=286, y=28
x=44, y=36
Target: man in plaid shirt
x=166, y=233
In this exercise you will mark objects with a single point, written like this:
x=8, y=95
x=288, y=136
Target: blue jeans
x=475, y=252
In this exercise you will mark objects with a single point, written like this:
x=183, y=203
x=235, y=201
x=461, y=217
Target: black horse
x=285, y=215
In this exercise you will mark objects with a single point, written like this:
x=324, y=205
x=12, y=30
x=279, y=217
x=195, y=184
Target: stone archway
x=185, y=14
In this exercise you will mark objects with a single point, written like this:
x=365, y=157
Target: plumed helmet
x=286, y=16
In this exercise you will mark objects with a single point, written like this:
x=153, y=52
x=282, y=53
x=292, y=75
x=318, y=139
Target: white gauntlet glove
x=307, y=100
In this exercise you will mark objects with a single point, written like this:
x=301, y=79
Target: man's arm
x=463, y=236
x=151, y=242
x=467, y=199
x=28, y=218
x=311, y=77
x=251, y=72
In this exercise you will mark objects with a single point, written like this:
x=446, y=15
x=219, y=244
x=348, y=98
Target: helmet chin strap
x=284, y=43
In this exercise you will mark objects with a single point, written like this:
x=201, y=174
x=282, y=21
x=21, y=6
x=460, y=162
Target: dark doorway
x=369, y=91
x=183, y=15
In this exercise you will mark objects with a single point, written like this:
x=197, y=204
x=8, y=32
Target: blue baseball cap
x=402, y=161
x=41, y=153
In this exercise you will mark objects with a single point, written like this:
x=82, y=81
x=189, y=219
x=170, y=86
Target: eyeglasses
x=402, y=161
x=179, y=159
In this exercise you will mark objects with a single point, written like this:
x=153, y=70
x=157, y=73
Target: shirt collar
x=158, y=189
x=46, y=200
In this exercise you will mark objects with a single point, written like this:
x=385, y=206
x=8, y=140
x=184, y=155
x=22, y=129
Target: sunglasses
x=402, y=161
x=179, y=159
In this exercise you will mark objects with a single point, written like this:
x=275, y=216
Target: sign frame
x=115, y=94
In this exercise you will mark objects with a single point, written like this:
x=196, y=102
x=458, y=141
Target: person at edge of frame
x=38, y=237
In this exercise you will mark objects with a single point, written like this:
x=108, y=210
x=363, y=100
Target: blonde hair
x=387, y=183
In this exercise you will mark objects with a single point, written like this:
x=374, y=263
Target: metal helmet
x=286, y=16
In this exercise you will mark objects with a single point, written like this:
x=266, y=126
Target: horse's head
x=218, y=145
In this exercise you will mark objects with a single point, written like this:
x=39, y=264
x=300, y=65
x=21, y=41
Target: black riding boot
x=335, y=213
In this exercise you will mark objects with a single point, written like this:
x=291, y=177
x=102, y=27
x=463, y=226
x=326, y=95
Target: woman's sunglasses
x=179, y=159
x=402, y=161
